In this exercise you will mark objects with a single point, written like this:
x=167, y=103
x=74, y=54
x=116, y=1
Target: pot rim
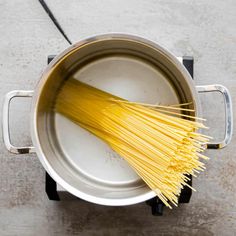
x=34, y=132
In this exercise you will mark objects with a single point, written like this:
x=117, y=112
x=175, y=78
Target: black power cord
x=54, y=20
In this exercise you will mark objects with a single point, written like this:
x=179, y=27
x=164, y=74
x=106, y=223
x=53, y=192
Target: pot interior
x=127, y=68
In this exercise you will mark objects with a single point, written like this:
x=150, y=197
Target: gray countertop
x=203, y=29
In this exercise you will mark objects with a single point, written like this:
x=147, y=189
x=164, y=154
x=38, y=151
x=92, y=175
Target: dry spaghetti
x=159, y=142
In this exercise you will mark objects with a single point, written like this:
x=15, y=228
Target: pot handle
x=5, y=121
x=228, y=113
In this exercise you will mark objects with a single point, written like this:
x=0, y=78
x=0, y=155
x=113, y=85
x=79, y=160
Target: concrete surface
x=203, y=29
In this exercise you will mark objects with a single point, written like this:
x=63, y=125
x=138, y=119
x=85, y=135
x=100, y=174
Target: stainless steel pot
x=128, y=66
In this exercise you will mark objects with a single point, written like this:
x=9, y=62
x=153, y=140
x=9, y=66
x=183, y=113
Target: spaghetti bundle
x=159, y=142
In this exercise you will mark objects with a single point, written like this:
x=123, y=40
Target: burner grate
x=56, y=192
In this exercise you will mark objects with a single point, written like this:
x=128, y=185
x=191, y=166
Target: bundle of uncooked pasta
x=160, y=142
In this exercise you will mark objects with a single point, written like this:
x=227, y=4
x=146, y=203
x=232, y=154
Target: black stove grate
x=155, y=203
